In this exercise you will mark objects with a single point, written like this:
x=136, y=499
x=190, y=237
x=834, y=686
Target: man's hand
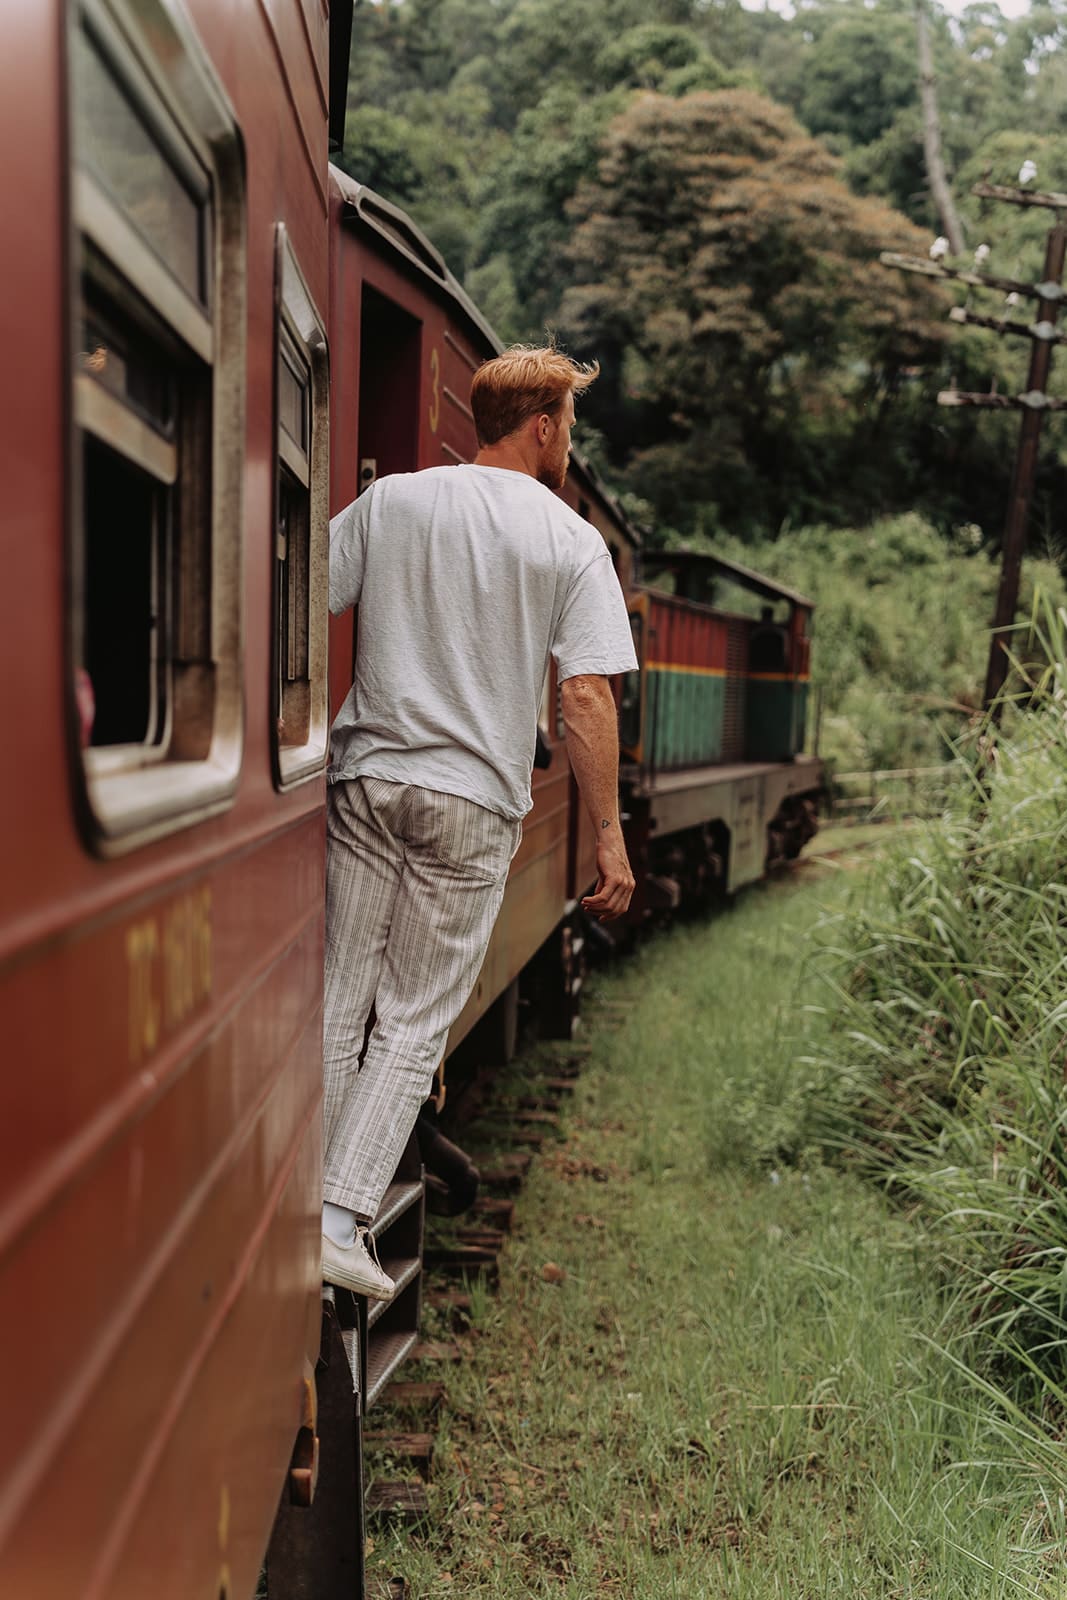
x=615, y=881
x=591, y=725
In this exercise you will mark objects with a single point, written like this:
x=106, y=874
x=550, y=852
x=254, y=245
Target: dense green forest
x=695, y=194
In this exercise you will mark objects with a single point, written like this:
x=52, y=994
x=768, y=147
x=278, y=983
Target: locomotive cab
x=768, y=649
x=713, y=728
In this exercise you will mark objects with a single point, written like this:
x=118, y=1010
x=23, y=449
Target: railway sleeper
x=511, y=1118
x=451, y=1303
x=534, y=1137
x=414, y=1449
x=401, y=1502
x=495, y=1213
x=508, y=1171
x=408, y=1397
x=547, y=1099
x=482, y=1238
x=436, y=1350
x=463, y=1261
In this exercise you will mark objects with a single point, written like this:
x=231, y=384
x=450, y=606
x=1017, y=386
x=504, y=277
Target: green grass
x=728, y=1381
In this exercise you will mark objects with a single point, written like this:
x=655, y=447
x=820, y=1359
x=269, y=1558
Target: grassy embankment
x=708, y=1372
x=942, y=1067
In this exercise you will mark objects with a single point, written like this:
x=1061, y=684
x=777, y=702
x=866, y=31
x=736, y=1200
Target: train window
x=158, y=190
x=301, y=528
x=158, y=412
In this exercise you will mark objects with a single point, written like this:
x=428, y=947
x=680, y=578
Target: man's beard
x=553, y=474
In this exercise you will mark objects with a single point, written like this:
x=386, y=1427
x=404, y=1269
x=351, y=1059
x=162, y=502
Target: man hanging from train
x=467, y=579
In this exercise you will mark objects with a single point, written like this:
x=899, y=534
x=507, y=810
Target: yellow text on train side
x=169, y=970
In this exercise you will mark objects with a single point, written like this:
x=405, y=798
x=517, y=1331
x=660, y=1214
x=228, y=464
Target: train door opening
x=387, y=435
x=388, y=441
x=389, y=371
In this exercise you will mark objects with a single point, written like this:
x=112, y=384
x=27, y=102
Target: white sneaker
x=356, y=1267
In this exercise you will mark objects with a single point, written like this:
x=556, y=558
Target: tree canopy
x=729, y=279
x=697, y=194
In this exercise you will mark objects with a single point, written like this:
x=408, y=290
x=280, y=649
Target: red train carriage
x=161, y=820
x=406, y=341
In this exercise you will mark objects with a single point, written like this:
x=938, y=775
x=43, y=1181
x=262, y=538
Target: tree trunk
x=935, y=163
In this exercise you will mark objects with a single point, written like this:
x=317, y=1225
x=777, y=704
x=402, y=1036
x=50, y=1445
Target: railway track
x=461, y=1260
x=505, y=1128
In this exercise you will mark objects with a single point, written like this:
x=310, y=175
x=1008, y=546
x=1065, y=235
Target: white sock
x=339, y=1225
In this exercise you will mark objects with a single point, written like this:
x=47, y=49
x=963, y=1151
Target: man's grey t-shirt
x=467, y=579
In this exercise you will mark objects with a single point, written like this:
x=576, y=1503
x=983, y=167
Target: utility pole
x=1034, y=402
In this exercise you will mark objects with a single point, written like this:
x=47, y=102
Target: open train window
x=158, y=413
x=301, y=528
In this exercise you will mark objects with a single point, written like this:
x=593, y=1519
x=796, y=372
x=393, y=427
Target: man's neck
x=509, y=455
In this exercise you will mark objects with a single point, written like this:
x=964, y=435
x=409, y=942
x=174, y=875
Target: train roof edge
x=746, y=576
x=340, y=52
x=363, y=206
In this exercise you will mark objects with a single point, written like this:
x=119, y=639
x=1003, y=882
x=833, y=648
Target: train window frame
x=300, y=594
x=188, y=337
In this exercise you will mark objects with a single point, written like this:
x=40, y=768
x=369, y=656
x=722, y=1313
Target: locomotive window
x=301, y=529
x=158, y=381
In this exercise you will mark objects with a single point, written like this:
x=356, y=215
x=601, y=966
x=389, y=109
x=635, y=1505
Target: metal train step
x=384, y=1355
x=399, y=1198
x=403, y=1273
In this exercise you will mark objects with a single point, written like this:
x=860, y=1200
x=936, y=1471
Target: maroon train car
x=405, y=341
x=163, y=631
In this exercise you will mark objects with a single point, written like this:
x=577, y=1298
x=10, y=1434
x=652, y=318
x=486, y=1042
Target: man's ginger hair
x=525, y=381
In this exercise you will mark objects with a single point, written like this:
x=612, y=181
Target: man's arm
x=348, y=535
x=592, y=733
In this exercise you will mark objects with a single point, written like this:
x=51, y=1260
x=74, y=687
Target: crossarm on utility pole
x=1051, y=289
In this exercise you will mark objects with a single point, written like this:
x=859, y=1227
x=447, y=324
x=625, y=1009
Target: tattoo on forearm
x=606, y=823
